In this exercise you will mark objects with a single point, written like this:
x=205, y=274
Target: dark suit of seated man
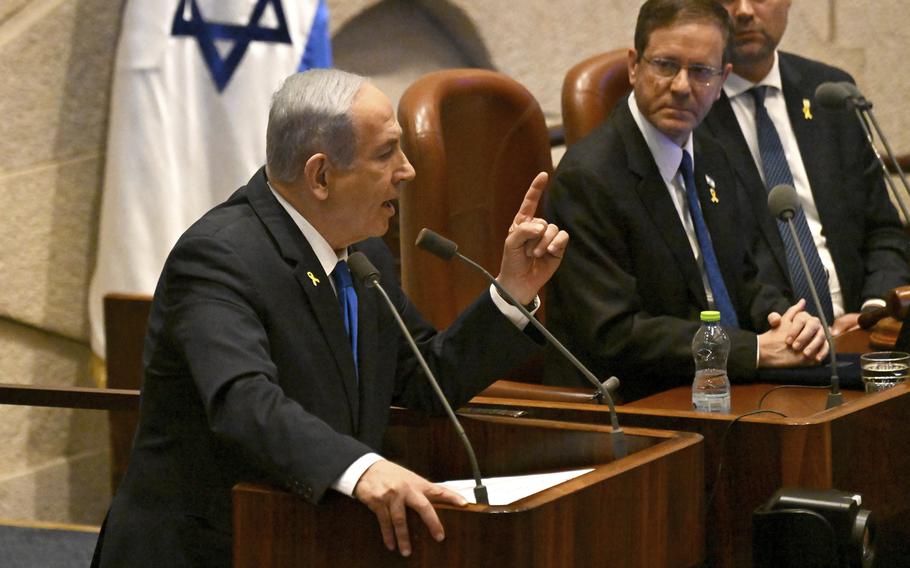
x=645, y=259
x=861, y=248
x=255, y=372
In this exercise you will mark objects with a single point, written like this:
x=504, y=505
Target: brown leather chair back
x=476, y=139
x=125, y=319
x=590, y=91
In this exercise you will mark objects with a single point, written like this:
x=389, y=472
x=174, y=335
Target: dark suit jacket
x=863, y=231
x=628, y=294
x=249, y=376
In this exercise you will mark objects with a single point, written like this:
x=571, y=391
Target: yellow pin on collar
x=313, y=278
x=714, y=198
x=807, y=109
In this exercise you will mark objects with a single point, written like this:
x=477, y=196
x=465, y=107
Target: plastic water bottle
x=710, y=348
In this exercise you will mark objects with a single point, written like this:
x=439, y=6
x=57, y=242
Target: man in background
x=651, y=210
x=774, y=133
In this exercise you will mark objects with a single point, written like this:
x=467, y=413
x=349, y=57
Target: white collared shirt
x=737, y=90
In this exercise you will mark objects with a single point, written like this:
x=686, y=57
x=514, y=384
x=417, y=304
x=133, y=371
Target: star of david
x=222, y=69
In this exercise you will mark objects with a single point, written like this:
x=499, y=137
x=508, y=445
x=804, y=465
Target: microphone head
x=436, y=244
x=852, y=90
x=362, y=269
x=832, y=96
x=783, y=202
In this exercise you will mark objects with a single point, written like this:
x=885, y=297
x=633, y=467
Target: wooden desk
x=861, y=446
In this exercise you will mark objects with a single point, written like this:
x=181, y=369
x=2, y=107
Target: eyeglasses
x=668, y=69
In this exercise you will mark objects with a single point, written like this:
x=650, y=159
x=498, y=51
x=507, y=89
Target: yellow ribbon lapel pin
x=807, y=109
x=313, y=278
x=712, y=187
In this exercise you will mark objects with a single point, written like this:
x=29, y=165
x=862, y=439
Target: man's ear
x=315, y=174
x=633, y=66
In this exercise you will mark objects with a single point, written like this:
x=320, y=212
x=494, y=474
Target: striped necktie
x=777, y=171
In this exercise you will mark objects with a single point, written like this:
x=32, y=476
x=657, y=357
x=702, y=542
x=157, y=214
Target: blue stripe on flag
x=318, y=51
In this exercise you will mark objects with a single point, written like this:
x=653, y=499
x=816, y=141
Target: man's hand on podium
x=388, y=489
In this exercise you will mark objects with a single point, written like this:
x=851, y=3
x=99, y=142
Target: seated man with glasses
x=652, y=211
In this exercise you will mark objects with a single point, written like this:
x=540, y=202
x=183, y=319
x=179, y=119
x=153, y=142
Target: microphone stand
x=427, y=239
x=835, y=396
x=370, y=276
x=860, y=106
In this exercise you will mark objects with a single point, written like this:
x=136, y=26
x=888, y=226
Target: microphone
x=843, y=95
x=364, y=271
x=783, y=203
x=446, y=249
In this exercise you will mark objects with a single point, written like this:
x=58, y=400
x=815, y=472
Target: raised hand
x=533, y=248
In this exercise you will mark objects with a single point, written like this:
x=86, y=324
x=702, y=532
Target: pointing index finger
x=532, y=198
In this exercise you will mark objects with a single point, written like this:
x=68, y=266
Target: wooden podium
x=645, y=509
x=861, y=446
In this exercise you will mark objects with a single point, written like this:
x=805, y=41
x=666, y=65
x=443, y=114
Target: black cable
x=723, y=444
x=764, y=396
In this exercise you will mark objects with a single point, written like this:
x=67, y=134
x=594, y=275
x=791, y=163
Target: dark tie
x=777, y=171
x=347, y=300
x=712, y=268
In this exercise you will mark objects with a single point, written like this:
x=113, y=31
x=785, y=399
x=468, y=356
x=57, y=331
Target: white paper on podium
x=506, y=490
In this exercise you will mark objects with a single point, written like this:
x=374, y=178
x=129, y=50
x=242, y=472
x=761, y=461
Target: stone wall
x=56, y=59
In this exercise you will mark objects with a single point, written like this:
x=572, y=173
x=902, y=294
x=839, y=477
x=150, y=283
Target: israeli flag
x=189, y=108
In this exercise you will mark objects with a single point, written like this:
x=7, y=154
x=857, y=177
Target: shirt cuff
x=347, y=481
x=757, y=351
x=512, y=313
x=872, y=303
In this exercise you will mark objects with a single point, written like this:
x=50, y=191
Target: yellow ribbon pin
x=712, y=189
x=313, y=278
x=807, y=109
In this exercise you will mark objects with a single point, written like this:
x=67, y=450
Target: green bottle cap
x=710, y=316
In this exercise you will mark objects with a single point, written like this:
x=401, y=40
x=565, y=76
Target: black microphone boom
x=843, y=95
x=364, y=271
x=447, y=249
x=783, y=203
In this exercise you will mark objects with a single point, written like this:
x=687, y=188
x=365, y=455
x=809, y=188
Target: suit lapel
x=652, y=192
x=312, y=279
x=717, y=209
x=811, y=134
x=724, y=127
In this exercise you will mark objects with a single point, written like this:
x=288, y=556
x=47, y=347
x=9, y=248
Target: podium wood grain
x=642, y=510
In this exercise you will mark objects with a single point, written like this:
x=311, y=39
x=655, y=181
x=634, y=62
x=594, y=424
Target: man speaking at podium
x=264, y=362
x=653, y=212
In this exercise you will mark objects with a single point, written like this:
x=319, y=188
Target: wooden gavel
x=896, y=305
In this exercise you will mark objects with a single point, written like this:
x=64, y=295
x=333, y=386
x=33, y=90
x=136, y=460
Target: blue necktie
x=777, y=171
x=347, y=301
x=712, y=268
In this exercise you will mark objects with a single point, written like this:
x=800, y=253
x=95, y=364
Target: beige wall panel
x=44, y=277
x=56, y=108
x=879, y=29
x=54, y=462
x=362, y=46
x=74, y=489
